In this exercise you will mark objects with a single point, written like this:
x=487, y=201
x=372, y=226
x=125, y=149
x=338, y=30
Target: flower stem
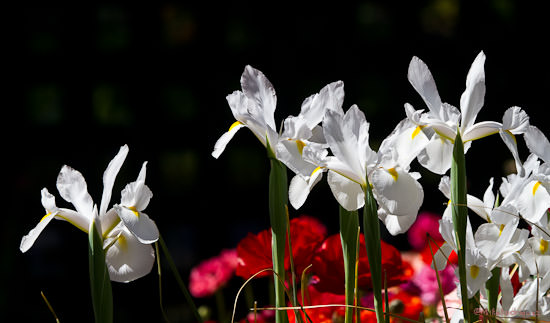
x=460, y=218
x=100, y=282
x=349, y=232
x=371, y=227
x=278, y=200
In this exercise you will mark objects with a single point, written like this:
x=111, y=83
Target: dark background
x=84, y=80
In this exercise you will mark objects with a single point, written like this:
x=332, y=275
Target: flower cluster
x=212, y=274
x=127, y=231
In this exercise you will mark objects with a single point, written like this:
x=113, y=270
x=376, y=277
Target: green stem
x=100, y=282
x=180, y=282
x=278, y=200
x=220, y=305
x=371, y=227
x=460, y=218
x=349, y=232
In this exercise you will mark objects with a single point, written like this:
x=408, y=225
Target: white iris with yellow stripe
x=443, y=120
x=128, y=253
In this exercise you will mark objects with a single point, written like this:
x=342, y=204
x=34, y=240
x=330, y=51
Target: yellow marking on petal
x=417, y=131
x=543, y=247
x=512, y=135
x=133, y=209
x=474, y=271
x=536, y=187
x=500, y=229
x=315, y=170
x=45, y=216
x=123, y=244
x=393, y=173
x=448, y=202
x=300, y=145
x=236, y=123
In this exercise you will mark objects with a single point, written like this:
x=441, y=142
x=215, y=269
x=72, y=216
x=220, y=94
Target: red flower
x=328, y=266
x=321, y=314
x=402, y=304
x=254, y=251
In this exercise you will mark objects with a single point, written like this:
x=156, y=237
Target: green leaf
x=349, y=235
x=100, y=283
x=460, y=217
x=371, y=227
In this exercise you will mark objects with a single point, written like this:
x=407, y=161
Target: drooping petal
x=533, y=201
x=515, y=120
x=473, y=97
x=222, y=142
x=407, y=139
x=396, y=224
x=348, y=193
x=138, y=223
x=423, y=82
x=480, y=130
x=72, y=187
x=441, y=256
x=437, y=155
x=257, y=88
x=397, y=191
x=128, y=259
x=299, y=187
x=537, y=143
x=109, y=178
x=28, y=240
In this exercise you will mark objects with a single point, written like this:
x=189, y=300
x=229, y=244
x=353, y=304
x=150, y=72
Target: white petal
x=300, y=187
x=348, y=193
x=511, y=142
x=423, y=82
x=396, y=224
x=407, y=139
x=506, y=288
x=222, y=142
x=533, y=201
x=330, y=97
x=478, y=207
x=72, y=187
x=109, y=177
x=537, y=143
x=437, y=155
x=472, y=99
x=481, y=130
x=28, y=240
x=137, y=194
x=397, y=191
x=258, y=89
x=515, y=120
x=441, y=256
x=128, y=259
x=139, y=223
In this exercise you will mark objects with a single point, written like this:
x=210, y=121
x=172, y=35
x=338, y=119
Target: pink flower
x=426, y=223
x=212, y=274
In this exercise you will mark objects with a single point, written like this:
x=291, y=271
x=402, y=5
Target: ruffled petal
x=257, y=88
x=72, y=187
x=537, y=143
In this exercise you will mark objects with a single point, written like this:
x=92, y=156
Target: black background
x=83, y=80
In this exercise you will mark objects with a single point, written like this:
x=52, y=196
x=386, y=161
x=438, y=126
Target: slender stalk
x=278, y=201
x=349, y=233
x=49, y=306
x=180, y=282
x=371, y=227
x=100, y=282
x=460, y=218
x=292, y=271
x=161, y=302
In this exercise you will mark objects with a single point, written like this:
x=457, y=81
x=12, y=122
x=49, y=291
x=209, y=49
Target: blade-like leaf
x=100, y=283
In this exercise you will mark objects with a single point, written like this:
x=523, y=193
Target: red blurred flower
x=328, y=266
x=425, y=233
x=326, y=314
x=212, y=274
x=254, y=251
x=402, y=304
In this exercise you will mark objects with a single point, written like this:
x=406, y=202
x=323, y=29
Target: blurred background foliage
x=89, y=78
